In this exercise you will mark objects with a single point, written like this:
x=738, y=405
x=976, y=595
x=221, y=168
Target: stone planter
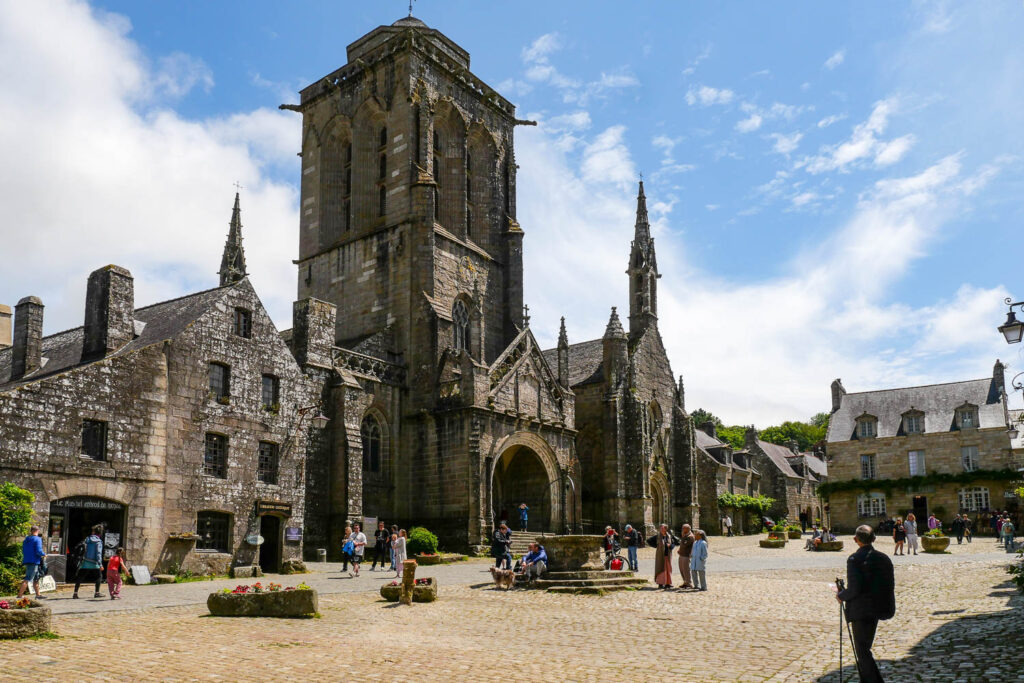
x=452, y=557
x=795, y=534
x=573, y=553
x=22, y=623
x=420, y=593
x=427, y=560
x=934, y=544
x=297, y=603
x=772, y=543
x=830, y=546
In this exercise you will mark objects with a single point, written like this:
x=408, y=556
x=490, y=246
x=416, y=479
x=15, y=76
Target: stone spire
x=232, y=263
x=615, y=352
x=682, y=393
x=614, y=329
x=563, y=338
x=642, y=271
x=563, y=356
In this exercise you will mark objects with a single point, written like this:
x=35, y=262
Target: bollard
x=321, y=554
x=408, y=581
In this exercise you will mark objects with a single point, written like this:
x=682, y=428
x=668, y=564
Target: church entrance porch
x=520, y=477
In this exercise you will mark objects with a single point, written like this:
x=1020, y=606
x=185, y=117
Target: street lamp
x=1012, y=329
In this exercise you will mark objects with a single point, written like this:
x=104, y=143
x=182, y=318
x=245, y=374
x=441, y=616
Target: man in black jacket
x=869, y=596
x=500, y=545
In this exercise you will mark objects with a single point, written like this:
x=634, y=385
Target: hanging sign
x=264, y=507
x=293, y=533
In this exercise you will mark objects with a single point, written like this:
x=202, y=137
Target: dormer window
x=867, y=427
x=967, y=417
x=913, y=423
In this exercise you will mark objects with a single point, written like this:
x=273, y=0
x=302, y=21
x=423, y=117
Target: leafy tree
x=700, y=416
x=15, y=517
x=805, y=434
x=734, y=436
x=821, y=420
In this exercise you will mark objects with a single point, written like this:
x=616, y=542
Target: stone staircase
x=521, y=541
x=589, y=581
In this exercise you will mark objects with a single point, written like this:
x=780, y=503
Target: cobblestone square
x=958, y=619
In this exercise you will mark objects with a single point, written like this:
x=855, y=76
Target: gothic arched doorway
x=520, y=477
x=660, y=498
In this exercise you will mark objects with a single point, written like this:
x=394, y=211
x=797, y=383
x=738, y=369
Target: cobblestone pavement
x=958, y=619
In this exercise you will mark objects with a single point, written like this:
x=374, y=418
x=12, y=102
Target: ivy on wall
x=888, y=485
x=739, y=501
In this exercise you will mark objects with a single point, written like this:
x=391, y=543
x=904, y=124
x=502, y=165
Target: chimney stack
x=5, y=326
x=109, y=312
x=28, y=337
x=313, y=324
x=838, y=391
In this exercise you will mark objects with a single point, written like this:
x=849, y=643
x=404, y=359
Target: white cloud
x=574, y=121
x=863, y=144
x=540, y=49
x=692, y=67
x=786, y=144
x=707, y=96
x=712, y=207
x=803, y=198
x=835, y=60
x=607, y=158
x=750, y=124
x=829, y=120
x=139, y=186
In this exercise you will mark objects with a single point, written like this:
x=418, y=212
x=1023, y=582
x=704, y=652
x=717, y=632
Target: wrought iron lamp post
x=1013, y=329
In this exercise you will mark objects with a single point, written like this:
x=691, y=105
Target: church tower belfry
x=642, y=271
x=232, y=263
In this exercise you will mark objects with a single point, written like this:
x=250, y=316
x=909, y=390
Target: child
x=698, y=560
x=114, y=566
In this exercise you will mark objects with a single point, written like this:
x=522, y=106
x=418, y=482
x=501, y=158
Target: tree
x=700, y=416
x=15, y=517
x=821, y=419
x=735, y=436
x=805, y=434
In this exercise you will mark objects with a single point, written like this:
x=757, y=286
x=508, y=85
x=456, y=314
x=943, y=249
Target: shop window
x=94, y=439
x=220, y=381
x=243, y=323
x=215, y=460
x=973, y=499
x=214, y=531
x=267, y=466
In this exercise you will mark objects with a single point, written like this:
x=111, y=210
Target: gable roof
x=705, y=440
x=777, y=454
x=585, y=361
x=937, y=401
x=154, y=324
x=812, y=463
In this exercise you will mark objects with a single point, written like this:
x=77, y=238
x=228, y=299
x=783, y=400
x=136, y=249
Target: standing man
x=728, y=525
x=1008, y=531
x=381, y=546
x=632, y=543
x=523, y=515
x=500, y=546
x=32, y=556
x=958, y=528
x=869, y=596
x=685, y=550
x=803, y=521
x=967, y=522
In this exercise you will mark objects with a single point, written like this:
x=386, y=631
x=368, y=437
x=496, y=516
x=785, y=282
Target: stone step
x=587, y=574
x=589, y=590
x=580, y=583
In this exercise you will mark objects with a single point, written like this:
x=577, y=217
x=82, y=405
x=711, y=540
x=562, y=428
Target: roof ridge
x=186, y=296
x=919, y=386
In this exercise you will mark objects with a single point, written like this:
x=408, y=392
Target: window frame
x=268, y=462
x=916, y=419
x=870, y=505
x=215, y=464
x=870, y=460
x=87, y=439
x=275, y=391
x=966, y=454
x=971, y=413
x=242, y=326
x=869, y=425
x=222, y=536
x=460, y=326
x=978, y=499
x=916, y=463
x=224, y=390
x=371, y=435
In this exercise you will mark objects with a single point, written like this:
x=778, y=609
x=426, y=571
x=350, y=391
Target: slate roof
x=585, y=361
x=777, y=454
x=938, y=402
x=705, y=440
x=162, y=321
x=812, y=463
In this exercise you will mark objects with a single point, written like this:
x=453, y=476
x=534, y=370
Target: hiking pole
x=839, y=584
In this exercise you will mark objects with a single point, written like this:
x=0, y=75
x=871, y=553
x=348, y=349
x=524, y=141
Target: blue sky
x=836, y=188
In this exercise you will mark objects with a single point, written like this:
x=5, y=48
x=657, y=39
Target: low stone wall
x=297, y=603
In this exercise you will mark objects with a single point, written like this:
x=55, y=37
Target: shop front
x=72, y=520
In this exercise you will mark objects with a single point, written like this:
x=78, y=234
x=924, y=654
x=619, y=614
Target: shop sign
x=292, y=533
x=264, y=507
x=88, y=503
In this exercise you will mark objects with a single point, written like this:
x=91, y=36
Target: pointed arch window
x=460, y=320
x=370, y=433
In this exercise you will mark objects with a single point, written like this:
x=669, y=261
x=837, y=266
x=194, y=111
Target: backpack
x=348, y=548
x=887, y=591
x=78, y=552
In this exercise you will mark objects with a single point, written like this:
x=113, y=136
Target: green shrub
x=15, y=516
x=421, y=542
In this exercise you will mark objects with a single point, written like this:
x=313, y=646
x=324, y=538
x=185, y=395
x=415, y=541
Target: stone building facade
x=176, y=425
x=790, y=477
x=913, y=433
x=720, y=469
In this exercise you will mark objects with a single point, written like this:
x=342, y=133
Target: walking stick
x=841, y=585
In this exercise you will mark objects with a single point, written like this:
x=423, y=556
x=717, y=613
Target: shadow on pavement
x=976, y=647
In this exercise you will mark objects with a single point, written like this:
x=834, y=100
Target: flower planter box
x=427, y=560
x=934, y=544
x=420, y=593
x=23, y=623
x=297, y=603
x=772, y=543
x=795, y=534
x=830, y=546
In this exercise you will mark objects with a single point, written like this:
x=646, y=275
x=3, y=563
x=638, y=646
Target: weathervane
x=238, y=186
x=410, y=7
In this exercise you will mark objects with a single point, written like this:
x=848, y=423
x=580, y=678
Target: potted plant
x=935, y=541
x=425, y=590
x=794, y=531
x=257, y=600
x=23, y=618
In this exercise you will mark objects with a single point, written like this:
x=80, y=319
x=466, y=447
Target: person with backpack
x=33, y=557
x=347, y=547
x=869, y=596
x=500, y=547
x=90, y=569
x=1007, y=531
x=633, y=542
x=358, y=540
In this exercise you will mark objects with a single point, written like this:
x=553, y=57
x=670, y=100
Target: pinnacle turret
x=232, y=263
x=563, y=337
x=642, y=230
x=614, y=329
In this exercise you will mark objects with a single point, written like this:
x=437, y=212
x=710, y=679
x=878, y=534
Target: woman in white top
x=398, y=545
x=910, y=526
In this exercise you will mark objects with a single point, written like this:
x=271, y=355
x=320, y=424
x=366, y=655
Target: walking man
x=685, y=550
x=524, y=513
x=358, y=539
x=727, y=520
x=958, y=528
x=869, y=596
x=32, y=557
x=632, y=543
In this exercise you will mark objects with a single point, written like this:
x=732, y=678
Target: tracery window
x=460, y=320
x=371, y=437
